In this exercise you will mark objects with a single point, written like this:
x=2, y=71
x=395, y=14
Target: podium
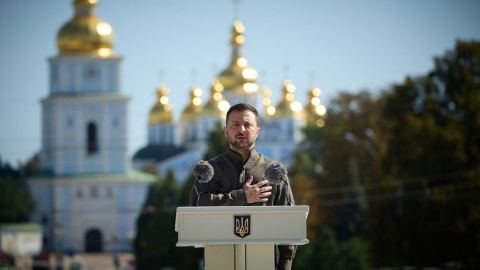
x=241, y=237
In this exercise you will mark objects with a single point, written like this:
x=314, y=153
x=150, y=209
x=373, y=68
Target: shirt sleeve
x=206, y=196
x=286, y=253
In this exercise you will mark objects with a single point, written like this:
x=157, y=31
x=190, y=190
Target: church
x=91, y=192
x=176, y=146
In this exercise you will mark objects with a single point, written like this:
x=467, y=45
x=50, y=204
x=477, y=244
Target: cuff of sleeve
x=239, y=197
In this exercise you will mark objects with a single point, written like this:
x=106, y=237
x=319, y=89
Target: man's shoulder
x=265, y=159
x=218, y=159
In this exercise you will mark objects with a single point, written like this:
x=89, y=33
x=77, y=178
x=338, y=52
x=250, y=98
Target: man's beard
x=235, y=144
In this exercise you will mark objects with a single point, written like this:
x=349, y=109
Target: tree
x=16, y=201
x=325, y=252
x=155, y=242
x=331, y=167
x=433, y=155
x=216, y=143
x=307, y=174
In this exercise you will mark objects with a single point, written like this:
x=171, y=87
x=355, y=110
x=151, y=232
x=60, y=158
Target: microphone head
x=203, y=171
x=275, y=173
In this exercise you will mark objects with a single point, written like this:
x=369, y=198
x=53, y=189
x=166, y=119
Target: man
x=238, y=173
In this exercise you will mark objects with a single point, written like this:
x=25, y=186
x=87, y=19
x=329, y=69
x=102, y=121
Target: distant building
x=178, y=145
x=90, y=199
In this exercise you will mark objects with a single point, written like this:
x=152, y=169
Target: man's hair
x=242, y=107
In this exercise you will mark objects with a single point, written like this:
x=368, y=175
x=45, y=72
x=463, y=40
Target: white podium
x=241, y=237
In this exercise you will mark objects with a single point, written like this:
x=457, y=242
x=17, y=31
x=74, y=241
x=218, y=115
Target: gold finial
x=192, y=110
x=267, y=101
x=161, y=112
x=316, y=111
x=288, y=106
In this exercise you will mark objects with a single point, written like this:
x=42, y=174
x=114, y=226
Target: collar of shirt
x=236, y=157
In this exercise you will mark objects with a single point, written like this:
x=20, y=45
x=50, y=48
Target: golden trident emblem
x=242, y=226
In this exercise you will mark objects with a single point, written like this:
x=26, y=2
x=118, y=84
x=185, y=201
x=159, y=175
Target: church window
x=79, y=193
x=92, y=139
x=94, y=191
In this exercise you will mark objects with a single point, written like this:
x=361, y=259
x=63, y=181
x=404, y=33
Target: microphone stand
x=288, y=198
x=198, y=194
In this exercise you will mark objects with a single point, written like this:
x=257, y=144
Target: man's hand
x=258, y=192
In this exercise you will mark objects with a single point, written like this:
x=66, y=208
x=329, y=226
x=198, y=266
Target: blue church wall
x=122, y=217
x=65, y=205
x=44, y=200
x=69, y=161
x=116, y=161
x=287, y=155
x=112, y=71
x=139, y=195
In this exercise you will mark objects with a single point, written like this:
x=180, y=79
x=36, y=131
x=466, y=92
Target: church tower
x=88, y=199
x=84, y=116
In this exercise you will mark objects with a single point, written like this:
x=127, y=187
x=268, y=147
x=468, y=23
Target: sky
x=334, y=45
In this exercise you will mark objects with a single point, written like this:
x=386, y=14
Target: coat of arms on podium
x=242, y=226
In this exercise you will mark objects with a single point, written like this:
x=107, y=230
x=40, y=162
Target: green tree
x=307, y=175
x=217, y=143
x=16, y=201
x=331, y=167
x=155, y=240
x=433, y=157
x=325, y=252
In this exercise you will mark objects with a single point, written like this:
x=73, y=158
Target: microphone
x=203, y=172
x=276, y=173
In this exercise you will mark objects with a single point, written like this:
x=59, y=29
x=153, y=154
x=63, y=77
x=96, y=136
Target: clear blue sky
x=347, y=45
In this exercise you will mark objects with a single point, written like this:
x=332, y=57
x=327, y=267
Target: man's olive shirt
x=226, y=189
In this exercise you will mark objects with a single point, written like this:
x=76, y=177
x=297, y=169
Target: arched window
x=92, y=138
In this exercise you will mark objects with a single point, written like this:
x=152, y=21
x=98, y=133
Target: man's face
x=241, y=130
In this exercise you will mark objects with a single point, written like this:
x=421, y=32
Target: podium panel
x=241, y=237
x=215, y=225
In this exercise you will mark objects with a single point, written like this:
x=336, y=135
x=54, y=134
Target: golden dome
x=161, y=113
x=216, y=106
x=288, y=106
x=315, y=110
x=192, y=110
x=86, y=34
x=238, y=76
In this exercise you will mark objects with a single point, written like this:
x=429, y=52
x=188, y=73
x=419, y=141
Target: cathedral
x=88, y=195
x=176, y=146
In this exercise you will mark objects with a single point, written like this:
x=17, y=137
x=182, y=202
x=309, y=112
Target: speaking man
x=238, y=174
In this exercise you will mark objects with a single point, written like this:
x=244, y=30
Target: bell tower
x=85, y=115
